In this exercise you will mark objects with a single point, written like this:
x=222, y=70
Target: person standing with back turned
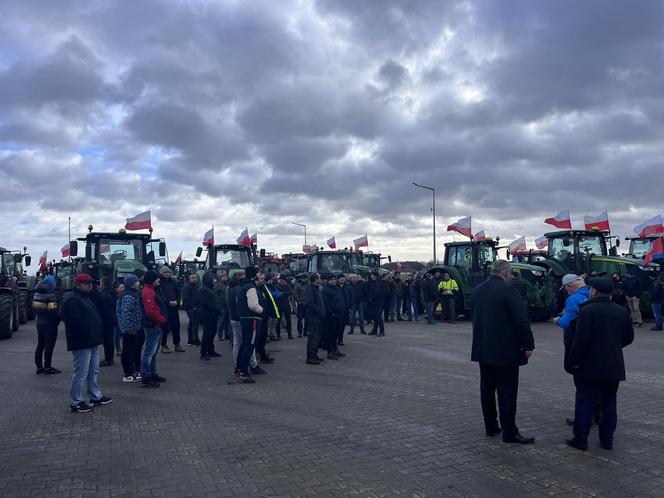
x=502, y=342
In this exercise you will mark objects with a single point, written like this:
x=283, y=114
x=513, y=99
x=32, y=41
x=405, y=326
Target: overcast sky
x=259, y=113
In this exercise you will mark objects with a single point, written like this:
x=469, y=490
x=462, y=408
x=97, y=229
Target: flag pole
x=69, y=241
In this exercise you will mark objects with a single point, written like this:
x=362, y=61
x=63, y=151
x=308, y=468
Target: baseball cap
x=83, y=278
x=601, y=284
x=568, y=279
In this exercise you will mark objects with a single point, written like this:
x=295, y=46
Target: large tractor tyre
x=15, y=313
x=6, y=316
x=22, y=306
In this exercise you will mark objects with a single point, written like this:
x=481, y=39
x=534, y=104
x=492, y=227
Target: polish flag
x=361, y=242
x=178, y=259
x=399, y=267
x=561, y=220
x=542, y=242
x=332, y=243
x=42, y=261
x=651, y=227
x=599, y=222
x=462, y=226
x=65, y=251
x=519, y=245
x=480, y=235
x=244, y=239
x=254, y=238
x=139, y=222
x=656, y=251
x=208, y=238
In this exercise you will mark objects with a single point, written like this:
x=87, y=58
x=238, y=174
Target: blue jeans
x=657, y=311
x=86, y=367
x=223, y=326
x=429, y=308
x=357, y=308
x=411, y=306
x=150, y=347
x=301, y=318
x=397, y=302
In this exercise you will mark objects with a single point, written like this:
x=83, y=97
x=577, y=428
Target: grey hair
x=501, y=266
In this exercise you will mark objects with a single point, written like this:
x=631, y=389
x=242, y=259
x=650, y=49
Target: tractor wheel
x=14, y=299
x=5, y=316
x=22, y=306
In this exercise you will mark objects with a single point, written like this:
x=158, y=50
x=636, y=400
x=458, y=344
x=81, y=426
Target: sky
x=323, y=112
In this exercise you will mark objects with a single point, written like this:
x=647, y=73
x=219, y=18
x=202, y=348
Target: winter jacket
x=248, y=305
x=406, y=290
x=108, y=315
x=284, y=299
x=300, y=292
x=428, y=290
x=231, y=299
x=266, y=298
x=168, y=291
x=45, y=303
x=602, y=331
x=190, y=300
x=632, y=286
x=154, y=308
x=222, y=293
x=209, y=300
x=315, y=306
x=348, y=297
x=129, y=312
x=572, y=304
x=359, y=292
x=82, y=321
x=333, y=297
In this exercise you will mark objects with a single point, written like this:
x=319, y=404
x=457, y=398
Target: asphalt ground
x=398, y=416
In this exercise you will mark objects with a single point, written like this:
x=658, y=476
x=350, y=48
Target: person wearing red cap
x=154, y=318
x=83, y=327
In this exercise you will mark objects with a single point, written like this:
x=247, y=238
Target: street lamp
x=305, y=230
x=433, y=192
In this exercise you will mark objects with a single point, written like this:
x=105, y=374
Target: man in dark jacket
x=345, y=290
x=333, y=297
x=283, y=303
x=210, y=311
x=170, y=294
x=315, y=315
x=191, y=305
x=250, y=313
x=45, y=303
x=223, y=322
x=502, y=342
x=108, y=320
x=83, y=327
x=633, y=292
x=358, y=296
x=429, y=296
x=656, y=300
x=603, y=329
x=300, y=296
x=379, y=291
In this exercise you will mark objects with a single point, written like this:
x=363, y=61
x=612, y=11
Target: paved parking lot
x=399, y=416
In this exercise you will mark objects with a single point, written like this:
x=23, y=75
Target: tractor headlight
x=537, y=273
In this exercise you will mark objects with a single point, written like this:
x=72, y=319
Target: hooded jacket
x=129, y=312
x=154, y=308
x=209, y=300
x=190, y=300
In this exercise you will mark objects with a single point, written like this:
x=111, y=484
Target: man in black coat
x=210, y=310
x=315, y=312
x=192, y=306
x=170, y=294
x=108, y=320
x=603, y=329
x=429, y=296
x=379, y=293
x=502, y=342
x=335, y=305
x=83, y=327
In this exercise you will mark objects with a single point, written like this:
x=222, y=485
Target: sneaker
x=166, y=349
x=299, y=334
x=39, y=371
x=290, y=336
x=129, y=378
x=257, y=370
x=245, y=379
x=82, y=407
x=340, y=343
x=382, y=334
x=179, y=349
x=104, y=400
x=137, y=376
x=51, y=371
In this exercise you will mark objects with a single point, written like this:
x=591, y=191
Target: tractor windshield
x=232, y=258
x=561, y=248
x=591, y=244
x=639, y=247
x=485, y=254
x=8, y=263
x=333, y=263
x=371, y=260
x=111, y=250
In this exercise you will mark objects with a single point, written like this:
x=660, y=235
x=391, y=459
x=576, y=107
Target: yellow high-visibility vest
x=448, y=286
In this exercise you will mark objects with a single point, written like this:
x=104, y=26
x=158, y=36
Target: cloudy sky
x=259, y=113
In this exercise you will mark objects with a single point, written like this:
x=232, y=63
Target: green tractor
x=370, y=260
x=14, y=291
x=585, y=251
x=115, y=255
x=186, y=267
x=639, y=246
x=334, y=262
x=469, y=263
x=227, y=257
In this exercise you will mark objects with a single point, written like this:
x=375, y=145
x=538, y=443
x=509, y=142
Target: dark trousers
x=209, y=331
x=343, y=321
x=129, y=353
x=313, y=340
x=588, y=393
x=378, y=324
x=47, y=336
x=138, y=353
x=192, y=328
x=449, y=308
x=302, y=322
x=173, y=325
x=330, y=332
x=107, y=338
x=285, y=317
x=261, y=337
x=505, y=382
x=357, y=310
x=249, y=329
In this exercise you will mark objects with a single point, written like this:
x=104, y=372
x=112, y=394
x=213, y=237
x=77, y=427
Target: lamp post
x=305, y=230
x=433, y=192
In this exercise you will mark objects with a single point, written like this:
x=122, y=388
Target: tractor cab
x=575, y=249
x=297, y=262
x=227, y=257
x=115, y=255
x=330, y=262
x=639, y=246
x=473, y=260
x=368, y=262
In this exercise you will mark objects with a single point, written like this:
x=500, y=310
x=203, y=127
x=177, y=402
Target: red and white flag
x=178, y=259
x=332, y=243
x=42, y=261
x=480, y=235
x=519, y=245
x=208, y=238
x=399, y=267
x=656, y=251
x=462, y=226
x=653, y=226
x=542, y=242
x=599, y=222
x=141, y=221
x=254, y=238
x=65, y=250
x=561, y=220
x=361, y=242
x=244, y=239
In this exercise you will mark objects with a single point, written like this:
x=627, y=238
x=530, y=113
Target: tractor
x=14, y=297
x=185, y=267
x=639, y=246
x=585, y=252
x=227, y=257
x=343, y=261
x=469, y=263
x=270, y=263
x=297, y=262
x=370, y=260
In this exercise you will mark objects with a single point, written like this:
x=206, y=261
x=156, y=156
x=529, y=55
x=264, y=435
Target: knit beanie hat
x=50, y=280
x=130, y=280
x=151, y=277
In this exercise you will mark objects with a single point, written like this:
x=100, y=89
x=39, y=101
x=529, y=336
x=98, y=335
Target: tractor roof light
x=122, y=231
x=90, y=228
